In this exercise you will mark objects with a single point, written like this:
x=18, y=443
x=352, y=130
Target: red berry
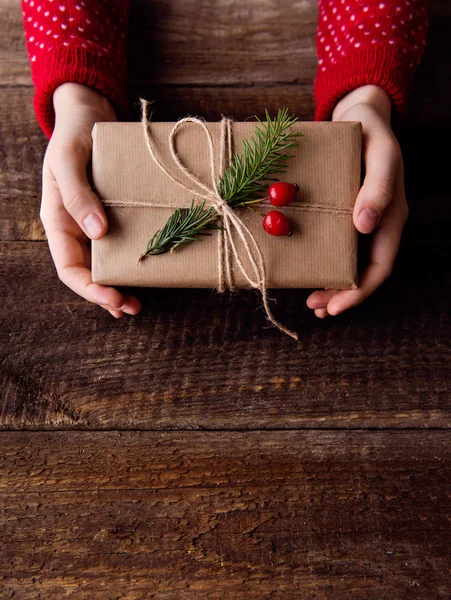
x=276, y=223
x=282, y=193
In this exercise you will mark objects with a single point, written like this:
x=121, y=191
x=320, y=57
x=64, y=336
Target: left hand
x=380, y=206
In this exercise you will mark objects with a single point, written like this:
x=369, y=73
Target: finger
x=68, y=250
x=320, y=298
x=117, y=314
x=78, y=197
x=72, y=271
x=131, y=305
x=382, y=162
x=384, y=248
x=321, y=313
x=79, y=279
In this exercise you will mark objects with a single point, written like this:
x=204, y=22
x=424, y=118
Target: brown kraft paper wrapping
x=322, y=252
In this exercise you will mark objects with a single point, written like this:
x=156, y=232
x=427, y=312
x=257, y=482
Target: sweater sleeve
x=363, y=42
x=76, y=41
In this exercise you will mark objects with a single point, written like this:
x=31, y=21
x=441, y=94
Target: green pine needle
x=184, y=225
x=244, y=182
x=249, y=174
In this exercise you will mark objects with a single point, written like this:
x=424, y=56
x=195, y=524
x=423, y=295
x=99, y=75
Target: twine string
x=225, y=266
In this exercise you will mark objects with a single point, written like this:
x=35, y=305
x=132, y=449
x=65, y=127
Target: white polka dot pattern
x=354, y=20
x=357, y=40
x=68, y=18
x=67, y=41
x=374, y=41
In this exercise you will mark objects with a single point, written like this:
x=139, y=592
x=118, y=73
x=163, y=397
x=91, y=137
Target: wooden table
x=192, y=452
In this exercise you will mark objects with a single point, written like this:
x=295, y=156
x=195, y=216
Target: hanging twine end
x=281, y=328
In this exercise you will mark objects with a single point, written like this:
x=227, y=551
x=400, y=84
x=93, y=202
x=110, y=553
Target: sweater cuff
x=392, y=73
x=76, y=65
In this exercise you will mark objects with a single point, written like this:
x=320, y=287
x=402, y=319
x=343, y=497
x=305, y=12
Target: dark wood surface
x=139, y=504
x=217, y=515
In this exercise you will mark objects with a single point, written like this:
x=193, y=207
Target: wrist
x=368, y=95
x=71, y=96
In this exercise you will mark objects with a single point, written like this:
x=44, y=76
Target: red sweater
x=359, y=42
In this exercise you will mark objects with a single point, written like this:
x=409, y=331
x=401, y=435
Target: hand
x=70, y=211
x=381, y=203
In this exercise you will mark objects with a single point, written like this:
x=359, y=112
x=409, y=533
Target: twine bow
x=231, y=221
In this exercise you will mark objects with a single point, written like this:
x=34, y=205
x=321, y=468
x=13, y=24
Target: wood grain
x=430, y=99
x=250, y=510
x=241, y=102
x=54, y=376
x=14, y=65
x=21, y=154
x=224, y=42
x=197, y=42
x=196, y=359
x=225, y=515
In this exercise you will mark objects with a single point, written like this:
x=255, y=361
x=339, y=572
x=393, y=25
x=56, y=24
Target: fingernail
x=93, y=225
x=368, y=219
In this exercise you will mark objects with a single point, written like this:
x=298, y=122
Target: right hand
x=71, y=212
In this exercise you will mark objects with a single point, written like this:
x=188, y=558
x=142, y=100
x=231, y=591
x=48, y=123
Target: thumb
x=78, y=197
x=382, y=158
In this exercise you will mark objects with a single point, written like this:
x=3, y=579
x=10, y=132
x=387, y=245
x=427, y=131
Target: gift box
x=139, y=198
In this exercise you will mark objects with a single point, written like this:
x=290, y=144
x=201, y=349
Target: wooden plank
x=223, y=42
x=14, y=65
x=225, y=515
x=244, y=44
x=22, y=150
x=430, y=98
x=184, y=42
x=197, y=359
x=170, y=103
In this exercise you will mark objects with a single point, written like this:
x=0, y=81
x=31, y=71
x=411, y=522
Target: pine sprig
x=183, y=226
x=264, y=155
x=244, y=182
